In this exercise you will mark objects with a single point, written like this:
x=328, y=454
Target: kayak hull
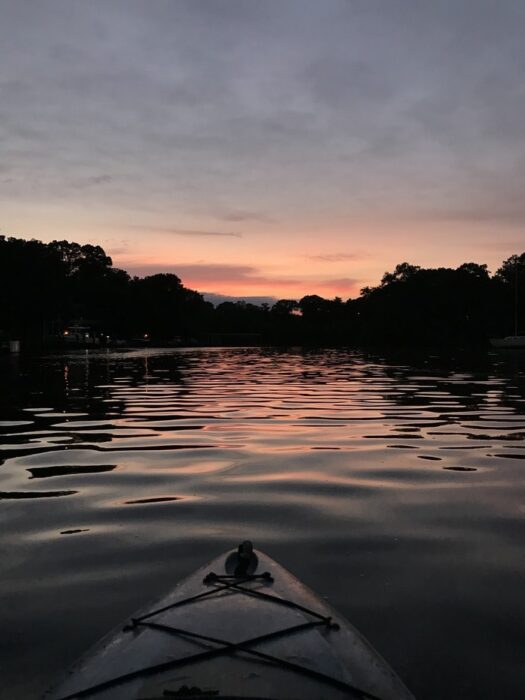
x=241, y=636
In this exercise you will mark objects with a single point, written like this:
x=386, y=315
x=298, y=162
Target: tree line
x=45, y=287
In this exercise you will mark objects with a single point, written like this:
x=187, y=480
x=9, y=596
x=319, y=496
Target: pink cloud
x=231, y=278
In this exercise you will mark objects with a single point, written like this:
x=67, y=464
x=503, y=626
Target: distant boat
x=80, y=336
x=511, y=341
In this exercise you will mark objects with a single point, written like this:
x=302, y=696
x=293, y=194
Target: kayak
x=241, y=627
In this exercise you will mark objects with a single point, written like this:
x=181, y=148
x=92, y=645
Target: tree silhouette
x=45, y=287
x=511, y=276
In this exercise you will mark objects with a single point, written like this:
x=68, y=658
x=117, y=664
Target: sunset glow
x=261, y=150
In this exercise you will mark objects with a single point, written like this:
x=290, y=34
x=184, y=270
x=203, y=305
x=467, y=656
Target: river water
x=394, y=489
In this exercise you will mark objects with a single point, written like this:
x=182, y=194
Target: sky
x=266, y=148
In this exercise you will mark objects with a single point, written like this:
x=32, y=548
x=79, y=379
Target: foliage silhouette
x=46, y=287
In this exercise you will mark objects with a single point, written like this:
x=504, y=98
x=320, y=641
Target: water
x=395, y=490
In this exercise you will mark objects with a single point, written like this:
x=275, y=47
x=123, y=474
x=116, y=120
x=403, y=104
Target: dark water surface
x=397, y=491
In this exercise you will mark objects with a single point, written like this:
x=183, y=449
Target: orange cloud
x=231, y=279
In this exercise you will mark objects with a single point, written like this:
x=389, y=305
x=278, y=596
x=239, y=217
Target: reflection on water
x=396, y=492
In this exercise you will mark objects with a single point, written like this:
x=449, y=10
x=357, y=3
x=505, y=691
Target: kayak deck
x=241, y=627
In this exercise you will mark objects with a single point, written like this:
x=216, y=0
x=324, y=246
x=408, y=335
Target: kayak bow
x=241, y=627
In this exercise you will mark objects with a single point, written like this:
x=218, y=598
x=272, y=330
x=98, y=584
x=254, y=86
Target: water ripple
x=394, y=489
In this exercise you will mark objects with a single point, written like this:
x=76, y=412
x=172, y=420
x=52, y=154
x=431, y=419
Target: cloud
x=242, y=215
x=503, y=245
x=302, y=112
x=232, y=277
x=91, y=181
x=503, y=210
x=203, y=274
x=117, y=250
x=99, y=179
x=341, y=284
x=334, y=257
x=188, y=232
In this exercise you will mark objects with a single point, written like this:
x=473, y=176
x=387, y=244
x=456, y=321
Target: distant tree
x=510, y=278
x=511, y=269
x=473, y=269
x=43, y=287
x=313, y=306
x=164, y=308
x=285, y=307
x=403, y=272
x=96, y=291
x=32, y=287
x=77, y=258
x=241, y=317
